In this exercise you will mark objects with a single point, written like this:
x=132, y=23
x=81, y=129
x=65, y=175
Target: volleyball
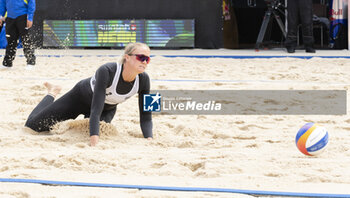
x=311, y=139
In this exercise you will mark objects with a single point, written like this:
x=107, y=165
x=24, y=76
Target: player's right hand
x=94, y=140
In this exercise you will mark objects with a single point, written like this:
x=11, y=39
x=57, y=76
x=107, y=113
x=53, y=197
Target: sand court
x=254, y=152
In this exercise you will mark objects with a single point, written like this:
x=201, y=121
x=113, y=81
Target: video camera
x=269, y=3
x=274, y=3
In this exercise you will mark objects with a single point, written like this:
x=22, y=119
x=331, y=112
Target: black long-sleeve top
x=104, y=77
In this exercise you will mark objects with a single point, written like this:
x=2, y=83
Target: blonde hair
x=129, y=49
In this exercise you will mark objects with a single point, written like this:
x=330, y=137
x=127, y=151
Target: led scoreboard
x=118, y=33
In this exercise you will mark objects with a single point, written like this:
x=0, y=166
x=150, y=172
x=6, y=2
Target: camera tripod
x=269, y=15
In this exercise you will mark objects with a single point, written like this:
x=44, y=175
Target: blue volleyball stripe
x=302, y=130
x=319, y=145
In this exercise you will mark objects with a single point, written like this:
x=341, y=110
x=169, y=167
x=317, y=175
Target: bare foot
x=52, y=90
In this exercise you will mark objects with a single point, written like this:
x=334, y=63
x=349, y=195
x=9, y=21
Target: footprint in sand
x=194, y=166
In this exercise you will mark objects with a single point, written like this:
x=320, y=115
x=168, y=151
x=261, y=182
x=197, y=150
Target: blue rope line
x=169, y=188
x=249, y=57
x=199, y=56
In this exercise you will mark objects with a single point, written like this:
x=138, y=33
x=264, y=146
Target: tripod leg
x=263, y=28
x=280, y=24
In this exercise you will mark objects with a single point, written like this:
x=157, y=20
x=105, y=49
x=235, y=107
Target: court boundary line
x=172, y=188
x=195, y=56
x=250, y=56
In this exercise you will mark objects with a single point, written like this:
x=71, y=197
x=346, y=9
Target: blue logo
x=151, y=102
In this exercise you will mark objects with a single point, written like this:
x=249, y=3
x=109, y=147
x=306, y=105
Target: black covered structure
x=207, y=14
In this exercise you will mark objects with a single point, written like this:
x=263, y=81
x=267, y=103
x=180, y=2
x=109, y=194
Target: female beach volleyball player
x=97, y=97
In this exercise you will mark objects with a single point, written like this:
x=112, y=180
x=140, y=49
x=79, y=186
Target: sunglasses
x=141, y=57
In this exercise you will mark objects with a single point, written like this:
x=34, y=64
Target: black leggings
x=48, y=112
x=15, y=29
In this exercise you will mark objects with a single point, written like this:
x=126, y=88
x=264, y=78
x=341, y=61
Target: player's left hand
x=29, y=24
